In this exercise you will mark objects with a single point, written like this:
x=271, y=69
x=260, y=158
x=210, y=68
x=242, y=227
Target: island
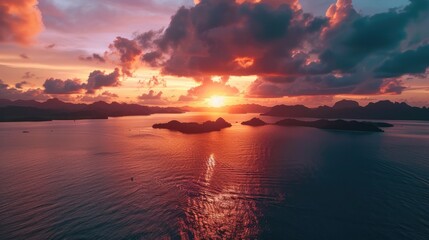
x=352, y=125
x=193, y=127
x=254, y=122
x=336, y=125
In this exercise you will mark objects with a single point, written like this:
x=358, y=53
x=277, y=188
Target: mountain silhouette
x=347, y=109
x=55, y=109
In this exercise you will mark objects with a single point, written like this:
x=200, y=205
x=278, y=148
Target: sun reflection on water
x=211, y=163
x=219, y=213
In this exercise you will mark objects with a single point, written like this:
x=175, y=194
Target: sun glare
x=216, y=101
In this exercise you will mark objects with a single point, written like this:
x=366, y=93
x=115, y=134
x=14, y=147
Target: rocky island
x=361, y=126
x=193, y=127
x=255, y=122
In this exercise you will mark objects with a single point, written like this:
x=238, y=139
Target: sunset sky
x=181, y=52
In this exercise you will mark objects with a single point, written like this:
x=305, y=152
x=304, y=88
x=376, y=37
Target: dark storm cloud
x=208, y=38
x=409, y=62
x=152, y=58
x=293, y=53
x=325, y=84
x=358, y=37
x=328, y=84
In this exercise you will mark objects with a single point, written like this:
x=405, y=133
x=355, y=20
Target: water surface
x=72, y=180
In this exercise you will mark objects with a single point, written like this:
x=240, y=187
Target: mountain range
x=55, y=109
x=348, y=109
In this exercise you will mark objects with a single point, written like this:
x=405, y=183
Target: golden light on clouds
x=244, y=62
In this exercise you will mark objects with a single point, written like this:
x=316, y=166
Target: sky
x=198, y=53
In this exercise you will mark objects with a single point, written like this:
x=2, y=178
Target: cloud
x=58, y=86
x=154, y=81
x=24, y=56
x=11, y=93
x=106, y=96
x=152, y=98
x=186, y=98
x=128, y=51
x=293, y=53
x=209, y=38
x=326, y=84
x=99, y=79
x=50, y=46
x=96, y=81
x=20, y=21
x=340, y=11
x=28, y=75
x=20, y=85
x=408, y=62
x=392, y=86
x=151, y=95
x=93, y=57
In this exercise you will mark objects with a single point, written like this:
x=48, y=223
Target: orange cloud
x=339, y=11
x=20, y=20
x=244, y=62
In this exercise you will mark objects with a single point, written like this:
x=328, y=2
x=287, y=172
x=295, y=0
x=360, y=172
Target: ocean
x=121, y=179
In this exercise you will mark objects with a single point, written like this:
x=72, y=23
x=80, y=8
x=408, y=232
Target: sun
x=216, y=101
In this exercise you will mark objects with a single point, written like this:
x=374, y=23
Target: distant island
x=255, y=122
x=193, y=127
x=348, y=109
x=362, y=126
x=54, y=109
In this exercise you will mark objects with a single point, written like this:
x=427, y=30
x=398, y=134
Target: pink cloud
x=20, y=21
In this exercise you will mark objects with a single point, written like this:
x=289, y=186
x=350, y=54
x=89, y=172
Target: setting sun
x=216, y=101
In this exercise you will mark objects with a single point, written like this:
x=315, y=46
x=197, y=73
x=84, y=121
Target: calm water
x=72, y=180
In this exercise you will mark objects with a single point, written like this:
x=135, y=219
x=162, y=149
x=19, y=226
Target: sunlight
x=216, y=101
x=244, y=62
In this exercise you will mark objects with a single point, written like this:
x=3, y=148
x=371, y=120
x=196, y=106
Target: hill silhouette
x=55, y=109
x=347, y=109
